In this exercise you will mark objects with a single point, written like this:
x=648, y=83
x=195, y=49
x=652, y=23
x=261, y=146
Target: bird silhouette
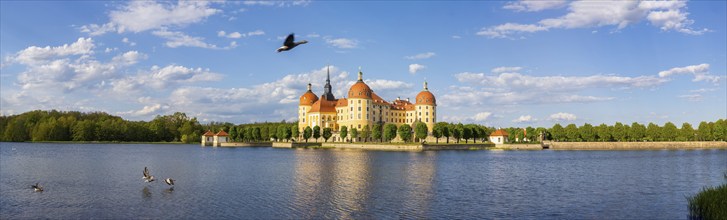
x=169, y=181
x=37, y=187
x=147, y=177
x=290, y=43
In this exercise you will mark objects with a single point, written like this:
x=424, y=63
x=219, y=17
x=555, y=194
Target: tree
x=637, y=132
x=719, y=130
x=389, y=132
x=603, y=132
x=466, y=133
x=587, y=133
x=256, y=134
x=307, y=133
x=15, y=131
x=652, y=132
x=327, y=134
x=376, y=132
x=530, y=134
x=457, y=131
x=686, y=133
x=619, y=132
x=558, y=132
x=571, y=132
x=316, y=132
x=437, y=131
x=84, y=131
x=343, y=133
x=249, y=134
x=366, y=133
x=446, y=131
x=669, y=132
x=405, y=132
x=421, y=131
x=280, y=132
x=704, y=131
x=233, y=133
x=354, y=135
x=294, y=132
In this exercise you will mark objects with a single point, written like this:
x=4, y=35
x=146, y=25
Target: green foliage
x=710, y=203
x=377, y=132
x=256, y=134
x=421, y=130
x=669, y=132
x=354, y=134
x=466, y=133
x=405, y=132
x=389, y=132
x=307, y=132
x=558, y=132
x=437, y=131
x=587, y=132
x=294, y=132
x=343, y=133
x=366, y=133
x=327, y=134
x=637, y=132
x=571, y=133
x=603, y=132
x=316, y=132
x=457, y=131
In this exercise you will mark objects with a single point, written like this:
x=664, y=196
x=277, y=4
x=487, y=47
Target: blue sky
x=509, y=63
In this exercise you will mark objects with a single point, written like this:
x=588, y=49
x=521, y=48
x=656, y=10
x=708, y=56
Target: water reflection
x=146, y=193
x=420, y=171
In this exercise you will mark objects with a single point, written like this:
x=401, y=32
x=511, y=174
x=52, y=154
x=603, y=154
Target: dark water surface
x=104, y=181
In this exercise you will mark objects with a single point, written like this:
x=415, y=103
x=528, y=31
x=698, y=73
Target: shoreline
x=664, y=145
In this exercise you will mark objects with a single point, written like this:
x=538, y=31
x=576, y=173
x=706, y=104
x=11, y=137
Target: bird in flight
x=37, y=187
x=290, y=43
x=147, y=177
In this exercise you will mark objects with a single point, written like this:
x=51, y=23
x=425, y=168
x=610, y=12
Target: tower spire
x=360, y=74
x=327, y=88
x=425, y=85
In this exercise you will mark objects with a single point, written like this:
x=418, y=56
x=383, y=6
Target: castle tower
x=426, y=107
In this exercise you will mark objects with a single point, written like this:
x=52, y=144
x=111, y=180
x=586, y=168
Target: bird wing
x=289, y=40
x=146, y=172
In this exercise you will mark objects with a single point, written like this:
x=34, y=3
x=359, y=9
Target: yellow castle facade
x=363, y=107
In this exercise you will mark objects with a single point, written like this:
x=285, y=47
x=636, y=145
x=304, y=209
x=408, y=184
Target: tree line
x=99, y=126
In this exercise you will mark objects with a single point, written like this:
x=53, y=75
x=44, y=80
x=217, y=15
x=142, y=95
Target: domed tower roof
x=425, y=97
x=360, y=89
x=308, y=98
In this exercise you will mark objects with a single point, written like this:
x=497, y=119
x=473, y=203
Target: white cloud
x=534, y=5
x=562, y=116
x=414, y=68
x=557, y=83
x=587, y=14
x=147, y=110
x=138, y=16
x=160, y=78
x=178, y=39
x=700, y=72
x=35, y=55
x=692, y=97
x=236, y=35
x=525, y=118
x=126, y=41
x=504, y=69
x=420, y=56
x=278, y=3
x=343, y=43
x=482, y=116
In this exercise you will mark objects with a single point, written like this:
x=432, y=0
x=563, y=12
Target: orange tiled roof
x=378, y=98
x=324, y=105
x=426, y=98
x=208, y=133
x=222, y=133
x=308, y=98
x=342, y=102
x=500, y=132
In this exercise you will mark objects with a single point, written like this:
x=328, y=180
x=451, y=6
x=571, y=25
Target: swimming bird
x=169, y=181
x=147, y=177
x=290, y=43
x=37, y=187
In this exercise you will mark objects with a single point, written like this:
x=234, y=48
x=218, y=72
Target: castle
x=363, y=108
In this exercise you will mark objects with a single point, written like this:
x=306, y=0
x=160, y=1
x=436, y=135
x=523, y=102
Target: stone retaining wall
x=239, y=144
x=520, y=146
x=636, y=145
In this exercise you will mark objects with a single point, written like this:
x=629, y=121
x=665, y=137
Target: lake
x=104, y=181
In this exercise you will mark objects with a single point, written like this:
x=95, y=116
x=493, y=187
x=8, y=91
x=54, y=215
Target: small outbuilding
x=499, y=136
x=215, y=140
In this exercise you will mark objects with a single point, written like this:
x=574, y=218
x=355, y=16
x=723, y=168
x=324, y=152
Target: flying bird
x=147, y=177
x=37, y=187
x=169, y=181
x=290, y=43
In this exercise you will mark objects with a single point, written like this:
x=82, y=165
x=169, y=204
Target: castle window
x=359, y=101
x=359, y=115
x=427, y=113
x=359, y=108
x=359, y=126
x=427, y=107
x=427, y=119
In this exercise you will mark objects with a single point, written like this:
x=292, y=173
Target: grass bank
x=710, y=203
